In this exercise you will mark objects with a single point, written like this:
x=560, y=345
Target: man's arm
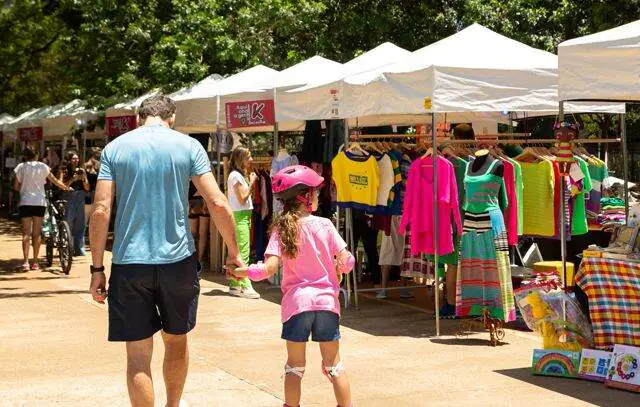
x=98, y=230
x=220, y=211
x=99, y=223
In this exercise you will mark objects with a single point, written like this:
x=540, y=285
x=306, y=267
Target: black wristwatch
x=96, y=269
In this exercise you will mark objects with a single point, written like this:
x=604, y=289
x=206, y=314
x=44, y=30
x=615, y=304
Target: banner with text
x=253, y=113
x=30, y=134
x=118, y=125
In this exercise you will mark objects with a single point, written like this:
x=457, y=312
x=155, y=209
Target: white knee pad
x=298, y=371
x=332, y=371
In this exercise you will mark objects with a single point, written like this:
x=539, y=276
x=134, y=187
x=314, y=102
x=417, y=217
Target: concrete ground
x=53, y=352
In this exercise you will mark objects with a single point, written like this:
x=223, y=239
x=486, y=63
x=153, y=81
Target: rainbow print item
x=560, y=363
x=594, y=365
x=624, y=369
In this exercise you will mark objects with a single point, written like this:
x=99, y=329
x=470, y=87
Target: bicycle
x=56, y=233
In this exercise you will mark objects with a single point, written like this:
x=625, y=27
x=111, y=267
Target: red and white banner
x=30, y=134
x=253, y=113
x=118, y=125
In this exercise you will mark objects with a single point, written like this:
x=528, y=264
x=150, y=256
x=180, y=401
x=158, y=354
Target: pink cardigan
x=418, y=206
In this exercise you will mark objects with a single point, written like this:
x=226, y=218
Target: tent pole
x=434, y=152
x=625, y=164
x=350, y=241
x=220, y=248
x=563, y=211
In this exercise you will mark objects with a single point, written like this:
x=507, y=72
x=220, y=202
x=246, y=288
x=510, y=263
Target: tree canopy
x=53, y=51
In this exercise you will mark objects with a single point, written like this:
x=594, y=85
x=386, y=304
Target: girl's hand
x=253, y=177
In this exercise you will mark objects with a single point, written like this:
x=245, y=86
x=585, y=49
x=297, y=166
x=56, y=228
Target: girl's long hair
x=287, y=227
x=238, y=157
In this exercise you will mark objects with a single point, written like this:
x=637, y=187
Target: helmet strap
x=307, y=199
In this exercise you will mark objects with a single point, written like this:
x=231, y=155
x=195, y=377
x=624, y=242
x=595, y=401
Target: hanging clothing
x=312, y=143
x=357, y=181
x=460, y=168
x=579, y=217
x=538, y=198
x=333, y=139
x=418, y=208
x=598, y=172
x=484, y=275
x=511, y=212
x=385, y=167
x=519, y=194
x=413, y=266
x=277, y=165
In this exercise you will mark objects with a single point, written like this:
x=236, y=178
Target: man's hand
x=232, y=263
x=98, y=287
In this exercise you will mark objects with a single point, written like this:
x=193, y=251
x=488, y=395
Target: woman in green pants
x=239, y=186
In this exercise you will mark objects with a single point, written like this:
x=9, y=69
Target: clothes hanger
x=355, y=148
x=529, y=154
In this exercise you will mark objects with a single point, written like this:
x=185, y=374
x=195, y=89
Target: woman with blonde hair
x=240, y=183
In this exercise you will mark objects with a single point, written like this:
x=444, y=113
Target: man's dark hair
x=157, y=106
x=463, y=131
x=29, y=153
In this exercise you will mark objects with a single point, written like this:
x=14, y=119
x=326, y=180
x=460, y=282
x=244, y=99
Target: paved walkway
x=53, y=352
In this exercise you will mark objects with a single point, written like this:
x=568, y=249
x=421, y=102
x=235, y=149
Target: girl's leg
x=331, y=357
x=78, y=232
x=296, y=358
x=27, y=225
x=35, y=237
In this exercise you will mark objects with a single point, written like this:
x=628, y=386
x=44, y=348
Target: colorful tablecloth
x=613, y=290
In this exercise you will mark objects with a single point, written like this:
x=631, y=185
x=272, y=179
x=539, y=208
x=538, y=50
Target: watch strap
x=96, y=269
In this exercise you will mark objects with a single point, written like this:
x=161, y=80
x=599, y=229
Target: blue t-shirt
x=151, y=167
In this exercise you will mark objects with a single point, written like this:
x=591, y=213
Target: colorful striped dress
x=484, y=276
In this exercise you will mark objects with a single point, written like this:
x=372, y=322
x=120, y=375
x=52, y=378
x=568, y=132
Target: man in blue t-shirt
x=154, y=282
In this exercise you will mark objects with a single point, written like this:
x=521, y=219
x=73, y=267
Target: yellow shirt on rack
x=357, y=180
x=538, y=206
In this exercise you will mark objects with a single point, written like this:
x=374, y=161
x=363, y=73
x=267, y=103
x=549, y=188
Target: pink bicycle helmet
x=293, y=181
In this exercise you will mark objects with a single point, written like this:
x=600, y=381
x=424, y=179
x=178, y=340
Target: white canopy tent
x=322, y=96
x=130, y=107
x=65, y=119
x=474, y=70
x=197, y=106
x=601, y=66
x=4, y=119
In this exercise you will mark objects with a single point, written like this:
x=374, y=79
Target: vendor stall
x=122, y=117
x=603, y=67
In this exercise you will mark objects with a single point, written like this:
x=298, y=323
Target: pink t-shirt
x=309, y=282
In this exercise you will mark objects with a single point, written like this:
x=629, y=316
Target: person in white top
x=31, y=176
x=240, y=184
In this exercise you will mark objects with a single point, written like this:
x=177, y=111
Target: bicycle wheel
x=49, y=249
x=64, y=246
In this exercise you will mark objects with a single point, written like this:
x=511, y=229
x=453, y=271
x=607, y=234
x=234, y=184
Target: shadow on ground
x=578, y=389
x=403, y=320
x=41, y=294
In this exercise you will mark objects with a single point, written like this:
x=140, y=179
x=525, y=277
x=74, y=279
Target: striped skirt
x=484, y=275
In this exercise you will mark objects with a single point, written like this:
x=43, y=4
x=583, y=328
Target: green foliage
x=102, y=50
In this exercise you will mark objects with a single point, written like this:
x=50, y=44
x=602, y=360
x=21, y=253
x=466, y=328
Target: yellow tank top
x=357, y=180
x=538, y=180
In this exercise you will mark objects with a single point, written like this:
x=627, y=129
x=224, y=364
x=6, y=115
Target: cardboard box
x=560, y=363
x=624, y=369
x=594, y=365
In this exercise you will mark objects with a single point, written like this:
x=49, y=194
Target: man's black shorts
x=145, y=298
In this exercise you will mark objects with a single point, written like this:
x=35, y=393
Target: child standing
x=314, y=258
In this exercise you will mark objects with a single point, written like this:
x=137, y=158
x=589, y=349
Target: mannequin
x=483, y=160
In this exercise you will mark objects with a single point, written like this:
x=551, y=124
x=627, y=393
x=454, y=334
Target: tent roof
x=316, y=99
x=62, y=119
x=203, y=88
x=601, y=66
x=5, y=118
x=474, y=70
x=130, y=106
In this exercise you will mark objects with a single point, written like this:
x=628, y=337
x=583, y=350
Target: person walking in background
x=314, y=258
x=74, y=176
x=199, y=220
x=91, y=168
x=30, y=178
x=155, y=277
x=239, y=186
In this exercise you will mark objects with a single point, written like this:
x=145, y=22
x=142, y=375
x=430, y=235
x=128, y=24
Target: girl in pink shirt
x=314, y=258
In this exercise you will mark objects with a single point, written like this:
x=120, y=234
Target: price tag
x=427, y=104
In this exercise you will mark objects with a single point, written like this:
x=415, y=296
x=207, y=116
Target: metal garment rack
x=625, y=170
